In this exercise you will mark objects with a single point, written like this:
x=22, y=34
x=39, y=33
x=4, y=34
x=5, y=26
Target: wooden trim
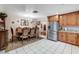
x=64, y=13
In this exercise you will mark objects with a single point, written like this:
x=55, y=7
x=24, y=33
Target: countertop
x=69, y=31
x=3, y=30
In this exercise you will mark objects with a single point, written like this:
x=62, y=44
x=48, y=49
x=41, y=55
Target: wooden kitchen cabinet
x=71, y=19
x=68, y=37
x=77, y=18
x=50, y=19
x=62, y=36
x=64, y=20
x=61, y=21
x=72, y=38
x=53, y=18
x=77, y=39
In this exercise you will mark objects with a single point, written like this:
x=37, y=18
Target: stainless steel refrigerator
x=53, y=29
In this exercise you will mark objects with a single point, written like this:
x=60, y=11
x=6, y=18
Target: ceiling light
x=35, y=11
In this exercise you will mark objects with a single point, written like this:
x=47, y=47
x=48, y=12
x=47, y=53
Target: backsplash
x=71, y=28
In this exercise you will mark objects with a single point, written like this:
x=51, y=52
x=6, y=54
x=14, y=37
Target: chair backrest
x=25, y=31
x=12, y=31
x=32, y=31
x=19, y=29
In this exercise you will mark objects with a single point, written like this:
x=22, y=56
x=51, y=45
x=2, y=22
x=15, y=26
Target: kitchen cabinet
x=53, y=18
x=69, y=37
x=72, y=38
x=50, y=19
x=78, y=39
x=62, y=36
x=63, y=20
x=77, y=18
x=68, y=19
x=71, y=19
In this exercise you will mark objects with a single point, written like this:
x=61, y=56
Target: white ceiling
x=43, y=9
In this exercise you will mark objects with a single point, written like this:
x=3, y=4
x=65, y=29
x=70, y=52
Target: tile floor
x=17, y=44
x=45, y=46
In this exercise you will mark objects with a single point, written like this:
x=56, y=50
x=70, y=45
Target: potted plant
x=3, y=15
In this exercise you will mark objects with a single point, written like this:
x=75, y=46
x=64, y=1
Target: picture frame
x=24, y=22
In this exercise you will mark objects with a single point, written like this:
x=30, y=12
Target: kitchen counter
x=69, y=31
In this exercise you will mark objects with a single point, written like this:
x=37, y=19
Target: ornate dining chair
x=25, y=33
x=12, y=34
x=32, y=32
x=36, y=32
x=18, y=32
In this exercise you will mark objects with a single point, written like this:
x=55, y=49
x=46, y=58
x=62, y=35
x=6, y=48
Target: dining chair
x=18, y=32
x=32, y=32
x=36, y=32
x=12, y=32
x=24, y=34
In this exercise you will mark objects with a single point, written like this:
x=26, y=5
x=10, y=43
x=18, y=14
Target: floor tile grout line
x=71, y=49
x=64, y=49
x=56, y=48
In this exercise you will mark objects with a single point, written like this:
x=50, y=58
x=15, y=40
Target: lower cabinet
x=72, y=38
x=77, y=39
x=62, y=36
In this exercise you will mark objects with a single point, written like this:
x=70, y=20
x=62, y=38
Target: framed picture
x=38, y=22
x=24, y=22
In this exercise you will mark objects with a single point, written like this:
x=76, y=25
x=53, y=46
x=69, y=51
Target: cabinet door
x=77, y=39
x=50, y=19
x=62, y=36
x=63, y=20
x=71, y=19
x=77, y=19
x=72, y=38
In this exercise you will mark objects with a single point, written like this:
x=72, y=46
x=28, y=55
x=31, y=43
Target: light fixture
x=35, y=11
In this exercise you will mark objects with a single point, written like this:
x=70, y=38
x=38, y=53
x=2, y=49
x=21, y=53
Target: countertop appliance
x=53, y=31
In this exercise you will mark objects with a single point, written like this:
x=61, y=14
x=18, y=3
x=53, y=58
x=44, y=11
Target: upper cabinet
x=53, y=18
x=68, y=19
x=77, y=18
x=63, y=20
x=71, y=19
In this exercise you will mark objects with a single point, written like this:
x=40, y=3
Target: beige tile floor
x=45, y=46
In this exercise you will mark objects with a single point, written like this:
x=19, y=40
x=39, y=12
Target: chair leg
x=22, y=41
x=12, y=38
